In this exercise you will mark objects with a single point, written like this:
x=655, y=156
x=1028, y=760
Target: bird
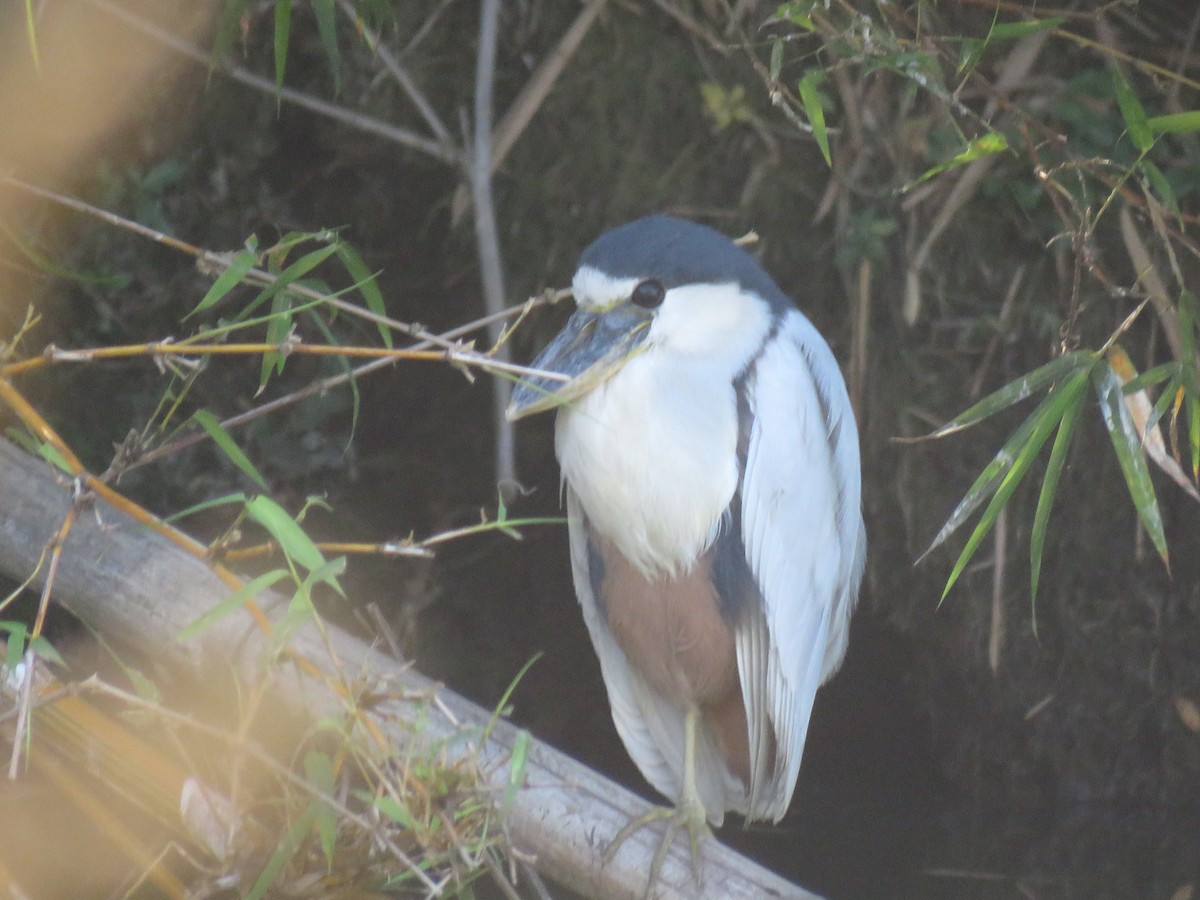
x=710, y=463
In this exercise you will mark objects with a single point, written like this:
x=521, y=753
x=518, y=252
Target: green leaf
x=517, y=766
x=31, y=34
x=327, y=29
x=1044, y=420
x=235, y=601
x=1151, y=377
x=243, y=261
x=396, y=811
x=1160, y=184
x=1041, y=517
x=225, y=500
x=287, y=277
x=221, y=438
x=227, y=31
x=1189, y=315
x=318, y=769
x=1175, y=123
x=1017, y=390
x=811, y=98
x=291, y=538
x=285, y=851
x=776, y=61
x=1012, y=31
x=15, y=645
x=279, y=325
x=367, y=284
x=1133, y=113
x=283, y=30
x=986, y=145
x=1128, y=445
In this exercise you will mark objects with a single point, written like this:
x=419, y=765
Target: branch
x=127, y=581
x=491, y=270
x=403, y=136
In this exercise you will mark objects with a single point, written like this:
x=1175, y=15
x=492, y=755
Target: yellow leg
x=687, y=813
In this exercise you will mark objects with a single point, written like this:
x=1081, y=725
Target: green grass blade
x=1128, y=445
x=1017, y=390
x=811, y=98
x=1048, y=417
x=291, y=538
x=221, y=438
x=1041, y=517
x=235, y=601
x=243, y=261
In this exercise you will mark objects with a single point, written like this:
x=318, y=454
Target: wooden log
x=134, y=585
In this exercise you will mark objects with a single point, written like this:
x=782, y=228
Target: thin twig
x=393, y=133
x=402, y=78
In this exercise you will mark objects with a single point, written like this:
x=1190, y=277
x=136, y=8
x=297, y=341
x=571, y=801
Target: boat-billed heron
x=711, y=465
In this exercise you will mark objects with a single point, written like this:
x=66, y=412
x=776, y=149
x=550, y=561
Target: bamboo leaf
x=1128, y=446
x=285, y=851
x=279, y=325
x=367, y=283
x=985, y=145
x=291, y=538
x=318, y=769
x=243, y=261
x=235, y=601
x=1133, y=113
x=283, y=31
x=1012, y=31
x=1175, y=123
x=1189, y=315
x=1145, y=417
x=287, y=277
x=1017, y=390
x=327, y=29
x=1041, y=517
x=221, y=438
x=1046, y=419
x=811, y=98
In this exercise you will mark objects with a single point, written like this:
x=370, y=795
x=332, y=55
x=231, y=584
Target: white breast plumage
x=656, y=486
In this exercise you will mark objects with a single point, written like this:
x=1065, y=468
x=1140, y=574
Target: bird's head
x=655, y=284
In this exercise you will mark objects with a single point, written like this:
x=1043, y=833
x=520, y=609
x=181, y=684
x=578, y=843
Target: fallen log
x=128, y=582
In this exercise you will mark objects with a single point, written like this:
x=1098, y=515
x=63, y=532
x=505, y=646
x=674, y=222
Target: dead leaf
x=1140, y=408
x=1189, y=713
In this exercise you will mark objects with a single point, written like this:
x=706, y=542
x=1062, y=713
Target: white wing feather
x=803, y=533
x=651, y=727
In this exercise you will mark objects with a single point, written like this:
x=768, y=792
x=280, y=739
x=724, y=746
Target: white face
x=717, y=321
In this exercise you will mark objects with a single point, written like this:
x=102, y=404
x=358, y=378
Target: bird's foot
x=686, y=815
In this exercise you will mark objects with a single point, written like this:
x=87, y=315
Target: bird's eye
x=648, y=294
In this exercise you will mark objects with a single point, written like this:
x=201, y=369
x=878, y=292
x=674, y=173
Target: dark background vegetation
x=1067, y=768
